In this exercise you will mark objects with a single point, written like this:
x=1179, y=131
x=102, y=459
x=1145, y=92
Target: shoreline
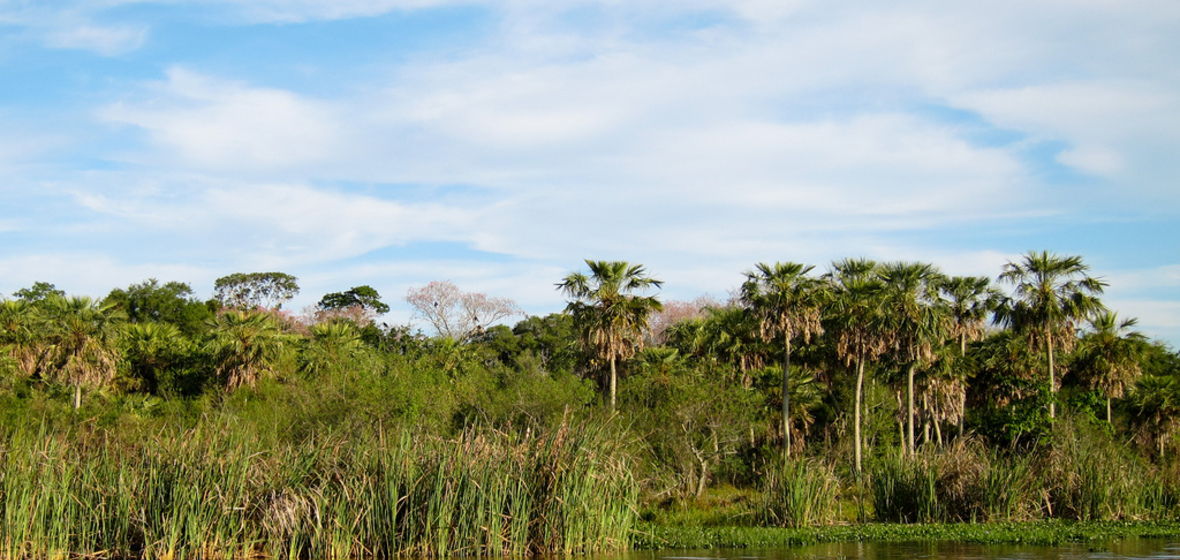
x=1054, y=532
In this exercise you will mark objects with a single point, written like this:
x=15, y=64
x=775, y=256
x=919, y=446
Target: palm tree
x=246, y=345
x=20, y=335
x=968, y=300
x=1156, y=402
x=82, y=349
x=787, y=303
x=610, y=317
x=855, y=321
x=1109, y=355
x=152, y=348
x=1051, y=294
x=915, y=321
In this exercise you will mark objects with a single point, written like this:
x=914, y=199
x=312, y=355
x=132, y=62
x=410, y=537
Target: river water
x=1137, y=549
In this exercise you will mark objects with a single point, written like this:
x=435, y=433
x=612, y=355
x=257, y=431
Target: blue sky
x=496, y=144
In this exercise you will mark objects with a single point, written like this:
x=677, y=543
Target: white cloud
x=90, y=274
x=223, y=125
x=279, y=225
x=105, y=40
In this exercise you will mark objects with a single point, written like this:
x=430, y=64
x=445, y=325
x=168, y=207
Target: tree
x=676, y=311
x=609, y=315
x=457, y=314
x=856, y=321
x=173, y=302
x=360, y=296
x=150, y=349
x=39, y=292
x=787, y=303
x=266, y=290
x=1156, y=402
x=1051, y=295
x=968, y=300
x=913, y=317
x=81, y=351
x=21, y=334
x=246, y=345
x=1108, y=356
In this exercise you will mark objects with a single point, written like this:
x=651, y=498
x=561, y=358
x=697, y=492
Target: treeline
x=871, y=391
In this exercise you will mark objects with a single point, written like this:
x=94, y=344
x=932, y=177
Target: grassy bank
x=216, y=493
x=1038, y=533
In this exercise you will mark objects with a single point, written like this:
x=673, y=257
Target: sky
x=499, y=143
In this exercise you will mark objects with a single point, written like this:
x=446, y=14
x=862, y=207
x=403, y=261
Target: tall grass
x=800, y=493
x=214, y=493
x=964, y=482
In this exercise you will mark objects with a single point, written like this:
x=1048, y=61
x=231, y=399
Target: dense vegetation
x=152, y=423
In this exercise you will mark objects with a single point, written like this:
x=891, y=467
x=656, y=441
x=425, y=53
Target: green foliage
x=800, y=493
x=172, y=302
x=38, y=292
x=266, y=290
x=360, y=296
x=214, y=492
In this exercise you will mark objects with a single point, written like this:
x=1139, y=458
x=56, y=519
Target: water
x=1126, y=549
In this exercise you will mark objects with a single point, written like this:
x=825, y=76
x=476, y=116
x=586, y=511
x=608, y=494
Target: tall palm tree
x=787, y=303
x=246, y=345
x=855, y=320
x=1109, y=355
x=1051, y=295
x=914, y=318
x=82, y=349
x=610, y=316
x=968, y=300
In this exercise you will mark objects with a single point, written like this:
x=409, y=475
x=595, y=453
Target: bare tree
x=457, y=314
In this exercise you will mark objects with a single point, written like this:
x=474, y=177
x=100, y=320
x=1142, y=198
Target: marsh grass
x=217, y=493
x=800, y=493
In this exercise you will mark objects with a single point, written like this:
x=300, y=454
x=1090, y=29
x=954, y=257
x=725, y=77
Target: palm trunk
x=1108, y=410
x=909, y=418
x=963, y=393
x=1052, y=384
x=787, y=400
x=860, y=381
x=614, y=379
x=938, y=433
x=77, y=397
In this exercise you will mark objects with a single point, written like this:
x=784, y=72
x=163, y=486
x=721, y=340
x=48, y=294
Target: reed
x=800, y=493
x=213, y=492
x=904, y=489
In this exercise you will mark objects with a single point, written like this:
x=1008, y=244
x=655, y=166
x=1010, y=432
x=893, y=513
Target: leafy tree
x=1108, y=356
x=246, y=346
x=173, y=302
x=1008, y=402
x=552, y=338
x=457, y=314
x=693, y=422
x=266, y=290
x=610, y=317
x=81, y=349
x=1051, y=295
x=364, y=297
x=787, y=303
x=856, y=321
x=914, y=318
x=38, y=292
